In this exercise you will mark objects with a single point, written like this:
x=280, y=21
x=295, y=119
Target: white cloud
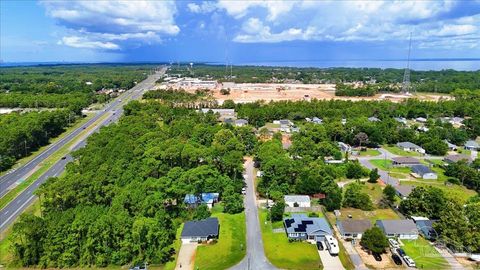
x=350, y=21
x=109, y=24
x=80, y=42
x=204, y=7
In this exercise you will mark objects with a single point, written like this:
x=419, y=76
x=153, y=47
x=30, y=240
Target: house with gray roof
x=297, y=200
x=401, y=120
x=302, y=227
x=410, y=147
x=373, y=119
x=241, y=122
x=456, y=158
x=451, y=146
x=404, y=161
x=423, y=172
x=471, y=145
x=353, y=228
x=404, y=190
x=425, y=227
x=398, y=228
x=200, y=230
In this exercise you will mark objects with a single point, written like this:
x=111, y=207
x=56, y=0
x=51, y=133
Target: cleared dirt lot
x=251, y=92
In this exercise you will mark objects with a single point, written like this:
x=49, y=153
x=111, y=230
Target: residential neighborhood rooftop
x=405, y=160
x=303, y=223
x=353, y=225
x=397, y=226
x=201, y=228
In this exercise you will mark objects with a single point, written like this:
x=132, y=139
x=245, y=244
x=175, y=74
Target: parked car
x=319, y=246
x=396, y=259
x=400, y=252
x=64, y=157
x=409, y=262
x=393, y=243
x=244, y=191
x=377, y=257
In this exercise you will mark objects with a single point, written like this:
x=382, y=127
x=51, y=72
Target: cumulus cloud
x=203, y=7
x=110, y=24
x=351, y=21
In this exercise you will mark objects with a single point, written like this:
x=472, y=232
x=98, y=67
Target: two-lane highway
x=112, y=112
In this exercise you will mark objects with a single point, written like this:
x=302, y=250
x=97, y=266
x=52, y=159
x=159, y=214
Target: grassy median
x=46, y=164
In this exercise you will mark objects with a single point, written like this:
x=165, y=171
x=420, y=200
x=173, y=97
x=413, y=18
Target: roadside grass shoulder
x=67, y=131
x=6, y=256
x=230, y=248
x=397, y=151
x=284, y=254
x=386, y=165
x=369, y=153
x=424, y=255
x=45, y=165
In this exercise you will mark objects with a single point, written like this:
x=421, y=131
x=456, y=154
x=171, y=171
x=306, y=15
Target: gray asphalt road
x=114, y=110
x=255, y=258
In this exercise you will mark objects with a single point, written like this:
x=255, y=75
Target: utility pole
x=406, y=74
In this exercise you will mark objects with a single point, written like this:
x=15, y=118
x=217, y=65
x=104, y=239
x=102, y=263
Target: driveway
x=186, y=256
x=330, y=262
x=454, y=264
x=255, y=258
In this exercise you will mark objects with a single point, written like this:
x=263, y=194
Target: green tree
x=389, y=194
x=373, y=176
x=374, y=240
x=201, y=212
x=277, y=210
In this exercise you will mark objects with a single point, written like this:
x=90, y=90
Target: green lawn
x=230, y=248
x=397, y=151
x=424, y=255
x=360, y=214
x=176, y=245
x=369, y=153
x=286, y=255
x=456, y=192
x=386, y=165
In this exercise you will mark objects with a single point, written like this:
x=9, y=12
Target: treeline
x=73, y=101
x=64, y=86
x=456, y=224
x=24, y=133
x=444, y=81
x=355, y=91
x=201, y=98
x=465, y=174
x=121, y=201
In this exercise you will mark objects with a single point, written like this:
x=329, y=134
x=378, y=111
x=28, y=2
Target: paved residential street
x=255, y=258
x=113, y=111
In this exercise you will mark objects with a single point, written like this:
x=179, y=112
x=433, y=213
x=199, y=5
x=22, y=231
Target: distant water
x=469, y=64
x=426, y=64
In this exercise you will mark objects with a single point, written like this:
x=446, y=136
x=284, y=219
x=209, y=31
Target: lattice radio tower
x=406, y=76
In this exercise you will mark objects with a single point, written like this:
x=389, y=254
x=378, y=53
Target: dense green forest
x=63, y=86
x=121, y=201
x=23, y=133
x=444, y=81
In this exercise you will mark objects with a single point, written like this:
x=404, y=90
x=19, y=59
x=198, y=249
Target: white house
x=410, y=147
x=399, y=228
x=297, y=200
x=423, y=172
x=353, y=228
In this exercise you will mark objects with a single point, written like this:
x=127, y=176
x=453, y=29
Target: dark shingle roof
x=421, y=169
x=405, y=160
x=398, y=226
x=353, y=225
x=201, y=228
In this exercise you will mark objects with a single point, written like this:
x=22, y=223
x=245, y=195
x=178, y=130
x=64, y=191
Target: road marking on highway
x=16, y=211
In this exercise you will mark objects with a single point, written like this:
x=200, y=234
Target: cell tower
x=406, y=75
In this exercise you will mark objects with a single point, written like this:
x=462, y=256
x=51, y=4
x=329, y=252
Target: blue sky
x=237, y=31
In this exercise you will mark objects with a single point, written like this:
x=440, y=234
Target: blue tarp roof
x=203, y=198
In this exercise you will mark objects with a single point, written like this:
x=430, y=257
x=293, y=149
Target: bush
x=277, y=210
